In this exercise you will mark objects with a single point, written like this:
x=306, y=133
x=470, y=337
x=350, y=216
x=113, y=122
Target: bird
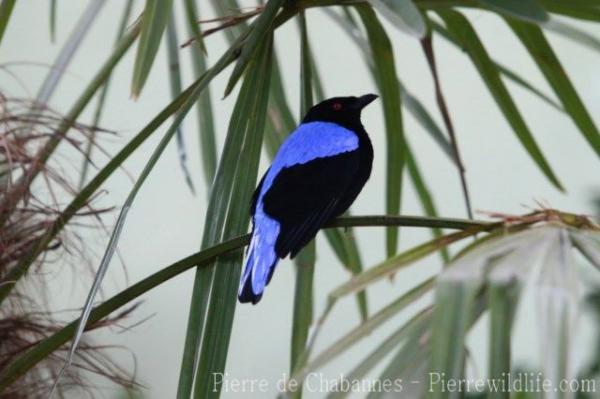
x=315, y=176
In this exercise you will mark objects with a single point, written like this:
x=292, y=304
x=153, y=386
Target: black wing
x=304, y=197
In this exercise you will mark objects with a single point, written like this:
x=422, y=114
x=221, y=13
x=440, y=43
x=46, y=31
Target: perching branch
x=39, y=352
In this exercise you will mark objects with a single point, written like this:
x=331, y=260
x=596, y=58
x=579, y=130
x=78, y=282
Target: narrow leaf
x=503, y=299
x=204, y=108
x=529, y=10
x=540, y=50
x=67, y=52
x=403, y=338
x=389, y=87
x=102, y=98
x=260, y=29
x=364, y=329
x=506, y=72
x=451, y=317
x=424, y=195
x=154, y=21
x=175, y=82
x=6, y=8
x=403, y=14
x=464, y=33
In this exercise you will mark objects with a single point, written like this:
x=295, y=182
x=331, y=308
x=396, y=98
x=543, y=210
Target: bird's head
x=344, y=111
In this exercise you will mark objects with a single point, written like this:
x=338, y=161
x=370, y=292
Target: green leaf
x=451, y=317
x=534, y=40
x=529, y=10
x=462, y=31
x=424, y=195
x=227, y=215
x=403, y=14
x=305, y=262
x=102, y=99
x=394, y=264
x=154, y=21
x=6, y=8
x=575, y=9
x=407, y=337
x=259, y=30
x=508, y=73
x=573, y=33
x=424, y=118
x=389, y=88
x=206, y=124
x=503, y=298
x=175, y=82
x=364, y=329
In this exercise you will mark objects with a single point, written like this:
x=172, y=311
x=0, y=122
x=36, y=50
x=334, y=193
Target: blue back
x=309, y=141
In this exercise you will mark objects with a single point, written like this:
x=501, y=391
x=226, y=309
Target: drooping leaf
x=540, y=50
x=573, y=33
x=424, y=195
x=6, y=8
x=154, y=21
x=506, y=72
x=529, y=10
x=389, y=87
x=407, y=337
x=87, y=154
x=451, y=317
x=463, y=32
x=175, y=83
x=68, y=51
x=364, y=329
x=502, y=300
x=404, y=14
x=259, y=30
x=206, y=124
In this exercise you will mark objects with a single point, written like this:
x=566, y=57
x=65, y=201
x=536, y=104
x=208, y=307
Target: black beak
x=365, y=100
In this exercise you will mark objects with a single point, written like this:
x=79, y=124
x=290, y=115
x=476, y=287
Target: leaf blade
x=154, y=21
x=529, y=10
x=462, y=31
x=540, y=50
x=403, y=14
x=387, y=81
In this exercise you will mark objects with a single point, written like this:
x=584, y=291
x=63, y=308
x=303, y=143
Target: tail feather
x=260, y=265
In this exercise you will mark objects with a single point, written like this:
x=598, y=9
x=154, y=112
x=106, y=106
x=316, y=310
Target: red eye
x=337, y=106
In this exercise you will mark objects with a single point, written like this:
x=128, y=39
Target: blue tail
x=261, y=262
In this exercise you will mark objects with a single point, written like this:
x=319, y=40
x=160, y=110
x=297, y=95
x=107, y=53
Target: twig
x=426, y=44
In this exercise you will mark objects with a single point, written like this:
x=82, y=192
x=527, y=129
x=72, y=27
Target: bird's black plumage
x=301, y=192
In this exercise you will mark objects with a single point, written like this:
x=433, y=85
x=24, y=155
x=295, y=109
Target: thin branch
x=426, y=44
